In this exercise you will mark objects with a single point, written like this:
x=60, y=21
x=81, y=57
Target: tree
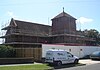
x=92, y=33
x=6, y=51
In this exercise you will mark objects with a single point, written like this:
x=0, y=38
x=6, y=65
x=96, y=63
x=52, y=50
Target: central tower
x=63, y=23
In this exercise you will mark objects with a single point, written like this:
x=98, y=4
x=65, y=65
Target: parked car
x=59, y=57
x=95, y=55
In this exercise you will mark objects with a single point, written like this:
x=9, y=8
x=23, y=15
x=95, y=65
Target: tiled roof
x=34, y=29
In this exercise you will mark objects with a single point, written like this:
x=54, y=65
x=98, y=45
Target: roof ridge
x=29, y=22
x=63, y=14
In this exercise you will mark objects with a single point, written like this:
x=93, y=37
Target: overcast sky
x=87, y=12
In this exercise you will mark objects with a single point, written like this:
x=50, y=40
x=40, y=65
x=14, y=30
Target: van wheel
x=59, y=63
x=76, y=61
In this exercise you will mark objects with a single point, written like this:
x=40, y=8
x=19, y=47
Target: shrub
x=6, y=51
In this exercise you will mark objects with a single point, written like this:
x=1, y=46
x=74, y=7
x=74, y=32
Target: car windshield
x=96, y=53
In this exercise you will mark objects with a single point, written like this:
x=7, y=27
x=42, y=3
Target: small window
x=80, y=49
x=69, y=55
x=70, y=50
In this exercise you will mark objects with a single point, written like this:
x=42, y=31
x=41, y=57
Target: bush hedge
x=6, y=51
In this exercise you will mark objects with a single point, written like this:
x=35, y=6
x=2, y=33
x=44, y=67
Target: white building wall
x=79, y=51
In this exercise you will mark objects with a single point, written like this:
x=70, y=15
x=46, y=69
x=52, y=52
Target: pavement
x=19, y=64
x=82, y=61
x=88, y=61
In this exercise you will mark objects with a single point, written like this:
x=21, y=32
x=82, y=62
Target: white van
x=59, y=57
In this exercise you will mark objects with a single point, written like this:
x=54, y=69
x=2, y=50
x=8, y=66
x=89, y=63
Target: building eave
x=66, y=35
x=21, y=35
x=12, y=43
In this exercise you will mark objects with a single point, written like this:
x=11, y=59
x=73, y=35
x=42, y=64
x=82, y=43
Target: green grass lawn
x=26, y=67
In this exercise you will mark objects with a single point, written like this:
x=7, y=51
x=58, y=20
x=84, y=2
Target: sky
x=87, y=12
